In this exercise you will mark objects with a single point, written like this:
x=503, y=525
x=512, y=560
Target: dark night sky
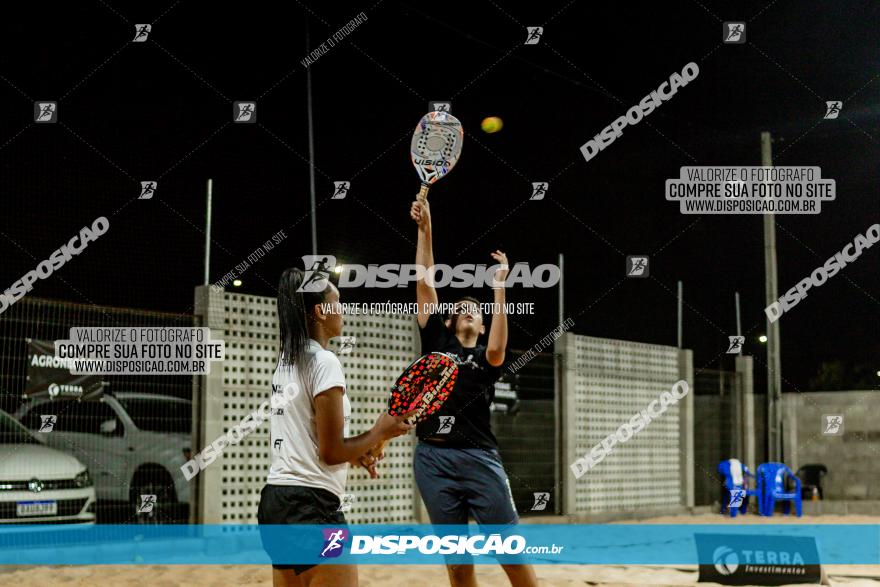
x=161, y=110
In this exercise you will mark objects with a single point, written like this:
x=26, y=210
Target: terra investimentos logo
x=725, y=560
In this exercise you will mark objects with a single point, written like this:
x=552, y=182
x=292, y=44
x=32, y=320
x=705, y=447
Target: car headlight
x=83, y=479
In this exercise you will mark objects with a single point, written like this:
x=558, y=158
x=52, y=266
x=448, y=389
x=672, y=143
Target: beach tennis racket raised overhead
x=435, y=148
x=422, y=388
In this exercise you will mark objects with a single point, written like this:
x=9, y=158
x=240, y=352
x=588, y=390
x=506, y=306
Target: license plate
x=37, y=508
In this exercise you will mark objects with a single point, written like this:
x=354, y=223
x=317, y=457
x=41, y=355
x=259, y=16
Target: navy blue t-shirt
x=463, y=421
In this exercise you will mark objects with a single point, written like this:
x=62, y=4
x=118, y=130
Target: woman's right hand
x=389, y=426
x=420, y=212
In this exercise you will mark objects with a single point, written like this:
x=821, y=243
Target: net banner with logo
x=788, y=553
x=49, y=376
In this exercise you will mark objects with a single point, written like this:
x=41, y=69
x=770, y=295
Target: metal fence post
x=686, y=427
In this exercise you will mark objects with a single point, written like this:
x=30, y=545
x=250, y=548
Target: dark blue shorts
x=455, y=482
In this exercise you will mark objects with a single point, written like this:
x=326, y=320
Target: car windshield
x=11, y=432
x=159, y=415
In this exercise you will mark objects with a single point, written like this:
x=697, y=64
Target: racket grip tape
x=423, y=193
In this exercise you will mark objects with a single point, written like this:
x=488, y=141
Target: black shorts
x=295, y=504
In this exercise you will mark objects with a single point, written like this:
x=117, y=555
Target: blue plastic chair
x=729, y=484
x=772, y=486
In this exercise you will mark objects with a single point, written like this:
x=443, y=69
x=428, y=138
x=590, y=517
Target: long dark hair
x=294, y=310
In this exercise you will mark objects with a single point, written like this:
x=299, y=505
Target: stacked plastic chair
x=772, y=481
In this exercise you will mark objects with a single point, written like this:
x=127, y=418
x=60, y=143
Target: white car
x=133, y=443
x=39, y=484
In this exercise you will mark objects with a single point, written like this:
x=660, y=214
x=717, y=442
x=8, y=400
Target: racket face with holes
x=436, y=145
x=423, y=386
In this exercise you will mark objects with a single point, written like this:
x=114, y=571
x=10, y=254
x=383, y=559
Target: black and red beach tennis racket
x=422, y=388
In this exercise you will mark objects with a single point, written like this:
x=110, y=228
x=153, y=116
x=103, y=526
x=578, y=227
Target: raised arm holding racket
x=457, y=466
x=423, y=386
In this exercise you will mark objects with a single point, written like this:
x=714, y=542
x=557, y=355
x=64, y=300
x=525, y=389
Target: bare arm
x=426, y=295
x=498, y=331
x=333, y=447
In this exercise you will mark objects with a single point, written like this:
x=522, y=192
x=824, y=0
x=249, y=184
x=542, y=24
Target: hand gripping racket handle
x=377, y=450
x=423, y=193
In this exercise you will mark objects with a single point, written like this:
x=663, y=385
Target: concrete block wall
x=853, y=457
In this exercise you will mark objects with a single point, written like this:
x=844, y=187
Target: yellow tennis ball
x=491, y=124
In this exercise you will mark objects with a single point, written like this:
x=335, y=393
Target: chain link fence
x=131, y=433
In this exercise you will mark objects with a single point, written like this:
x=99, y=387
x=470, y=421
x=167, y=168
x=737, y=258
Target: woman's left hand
x=369, y=462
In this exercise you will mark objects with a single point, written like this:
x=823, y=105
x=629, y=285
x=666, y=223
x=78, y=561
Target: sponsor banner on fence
x=758, y=559
x=49, y=375
x=422, y=544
